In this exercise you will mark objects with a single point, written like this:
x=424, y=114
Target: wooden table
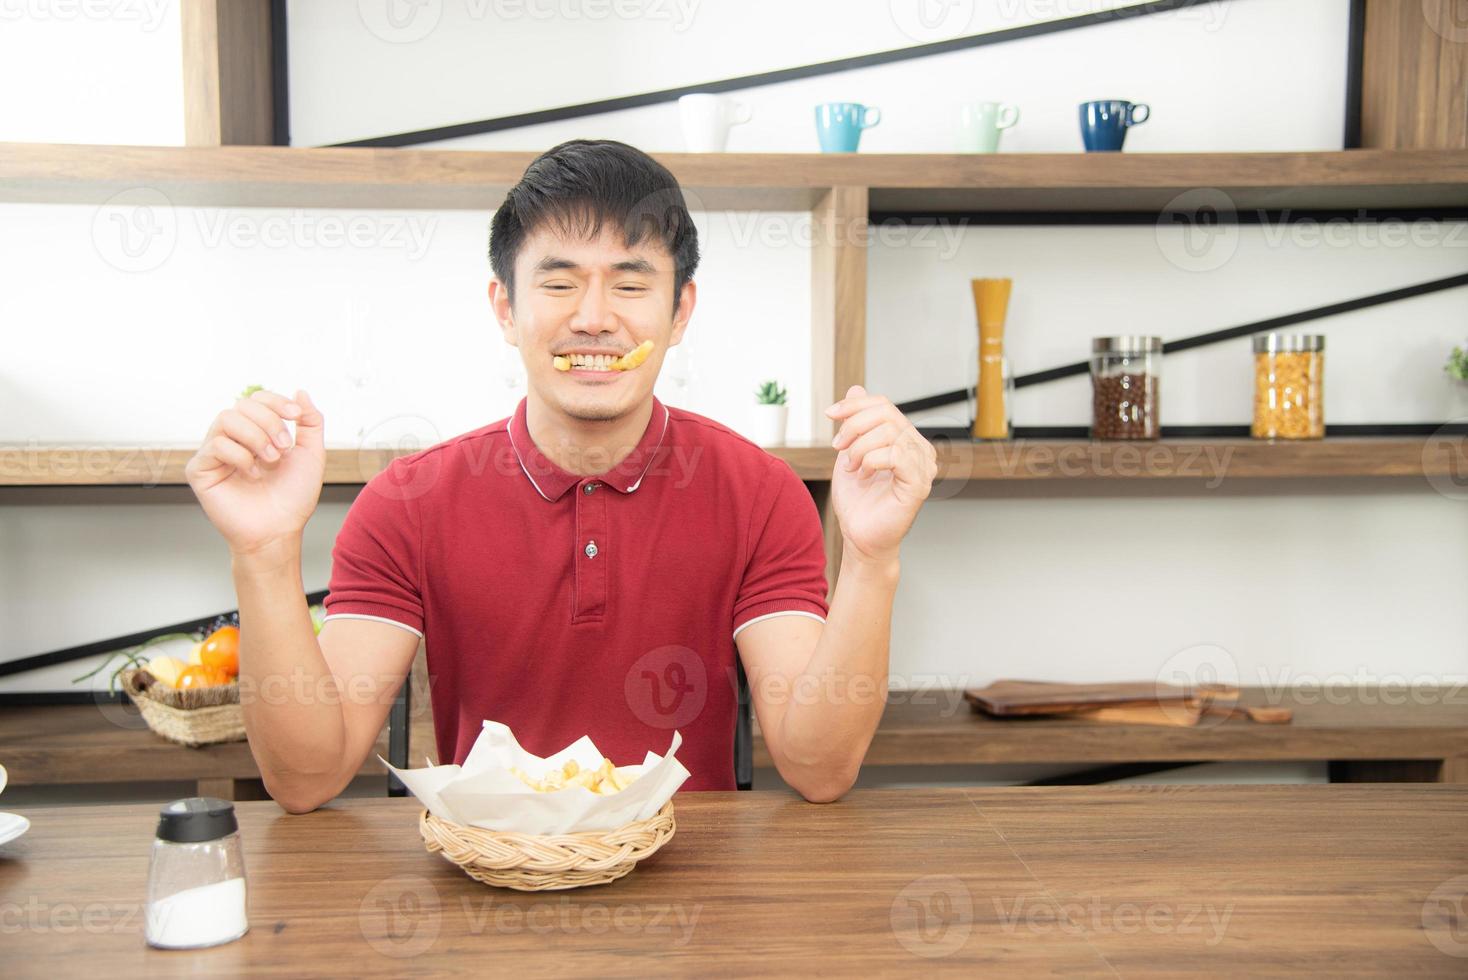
x=1117, y=880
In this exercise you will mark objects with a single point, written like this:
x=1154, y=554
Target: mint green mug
x=980, y=123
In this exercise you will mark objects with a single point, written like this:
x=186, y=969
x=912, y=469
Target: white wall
x=1096, y=581
x=1195, y=67
x=100, y=71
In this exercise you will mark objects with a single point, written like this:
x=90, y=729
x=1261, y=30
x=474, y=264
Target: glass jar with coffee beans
x=1125, y=373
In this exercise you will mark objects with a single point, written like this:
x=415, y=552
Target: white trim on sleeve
x=781, y=612
x=377, y=619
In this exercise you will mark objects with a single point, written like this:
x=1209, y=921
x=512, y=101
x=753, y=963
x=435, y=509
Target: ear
x=499, y=301
x=687, y=299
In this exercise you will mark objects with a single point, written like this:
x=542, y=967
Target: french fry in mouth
x=633, y=358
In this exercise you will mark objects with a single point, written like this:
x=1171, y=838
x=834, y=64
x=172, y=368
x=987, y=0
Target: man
x=591, y=565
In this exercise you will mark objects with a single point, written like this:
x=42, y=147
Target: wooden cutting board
x=1014, y=697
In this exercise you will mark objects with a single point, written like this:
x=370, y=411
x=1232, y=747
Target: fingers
x=278, y=437
x=248, y=424
x=223, y=452
x=252, y=436
x=850, y=406
x=866, y=420
x=879, y=436
x=282, y=406
x=881, y=458
x=310, y=426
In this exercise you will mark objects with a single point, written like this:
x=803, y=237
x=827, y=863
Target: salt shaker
x=196, y=877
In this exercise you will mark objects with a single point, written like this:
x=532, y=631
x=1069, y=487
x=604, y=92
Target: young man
x=591, y=565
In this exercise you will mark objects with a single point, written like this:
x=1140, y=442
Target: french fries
x=602, y=780
x=633, y=358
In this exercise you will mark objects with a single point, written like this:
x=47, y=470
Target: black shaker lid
x=195, y=819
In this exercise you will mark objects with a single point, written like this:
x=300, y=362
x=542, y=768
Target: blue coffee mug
x=839, y=125
x=1104, y=123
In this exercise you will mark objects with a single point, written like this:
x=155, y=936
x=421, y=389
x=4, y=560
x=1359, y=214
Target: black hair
x=581, y=184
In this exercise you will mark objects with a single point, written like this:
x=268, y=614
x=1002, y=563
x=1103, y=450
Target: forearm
x=835, y=704
x=292, y=707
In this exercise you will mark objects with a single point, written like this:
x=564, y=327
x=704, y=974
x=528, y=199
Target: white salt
x=200, y=916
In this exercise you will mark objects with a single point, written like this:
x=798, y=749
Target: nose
x=594, y=314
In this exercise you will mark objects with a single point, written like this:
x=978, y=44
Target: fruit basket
x=194, y=699
x=193, y=716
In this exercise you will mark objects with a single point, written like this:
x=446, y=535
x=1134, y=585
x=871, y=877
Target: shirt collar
x=552, y=482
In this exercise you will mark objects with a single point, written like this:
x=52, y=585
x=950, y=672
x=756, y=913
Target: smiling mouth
x=603, y=362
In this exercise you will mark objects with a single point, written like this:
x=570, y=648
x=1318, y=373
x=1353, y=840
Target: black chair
x=397, y=735
x=743, y=734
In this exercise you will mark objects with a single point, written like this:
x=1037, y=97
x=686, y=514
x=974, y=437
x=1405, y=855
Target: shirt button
x=591, y=549
x=589, y=488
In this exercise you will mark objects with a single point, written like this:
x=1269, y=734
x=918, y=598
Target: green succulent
x=770, y=393
x=1457, y=366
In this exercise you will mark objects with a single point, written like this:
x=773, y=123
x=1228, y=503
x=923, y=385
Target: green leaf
x=1457, y=366
x=770, y=393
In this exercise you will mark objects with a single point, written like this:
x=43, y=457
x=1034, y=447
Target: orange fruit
x=221, y=650
x=201, y=675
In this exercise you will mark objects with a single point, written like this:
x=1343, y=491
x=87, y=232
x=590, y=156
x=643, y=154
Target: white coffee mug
x=707, y=119
x=980, y=123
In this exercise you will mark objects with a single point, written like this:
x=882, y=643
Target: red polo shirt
x=565, y=606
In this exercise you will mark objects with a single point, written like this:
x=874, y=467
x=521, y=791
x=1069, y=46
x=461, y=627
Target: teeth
x=604, y=362
x=585, y=362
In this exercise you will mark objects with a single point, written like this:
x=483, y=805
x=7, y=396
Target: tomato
x=201, y=675
x=221, y=650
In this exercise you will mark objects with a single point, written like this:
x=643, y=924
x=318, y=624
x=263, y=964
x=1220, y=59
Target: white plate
x=12, y=825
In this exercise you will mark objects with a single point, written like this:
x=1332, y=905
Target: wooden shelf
x=153, y=466
x=360, y=177
x=1209, y=460
x=931, y=728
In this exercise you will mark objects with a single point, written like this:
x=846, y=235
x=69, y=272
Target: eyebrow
x=551, y=263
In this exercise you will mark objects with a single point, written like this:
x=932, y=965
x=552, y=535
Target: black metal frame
x=116, y=643
x=1355, y=52
x=280, y=86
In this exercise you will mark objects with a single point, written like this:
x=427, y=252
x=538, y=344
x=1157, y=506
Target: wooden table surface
x=1118, y=880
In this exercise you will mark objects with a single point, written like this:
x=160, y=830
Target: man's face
x=591, y=297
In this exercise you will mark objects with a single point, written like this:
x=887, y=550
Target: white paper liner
x=484, y=793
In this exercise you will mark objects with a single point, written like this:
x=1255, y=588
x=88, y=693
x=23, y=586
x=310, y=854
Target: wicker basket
x=531, y=863
x=199, y=716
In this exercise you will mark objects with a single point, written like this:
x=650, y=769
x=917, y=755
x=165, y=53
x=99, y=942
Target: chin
x=595, y=409
x=594, y=413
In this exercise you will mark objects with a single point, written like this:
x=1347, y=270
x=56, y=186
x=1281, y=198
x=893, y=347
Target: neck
x=581, y=446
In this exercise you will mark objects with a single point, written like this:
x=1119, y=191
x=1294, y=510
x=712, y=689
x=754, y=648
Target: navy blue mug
x=1104, y=123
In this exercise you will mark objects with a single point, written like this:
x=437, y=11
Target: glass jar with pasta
x=1289, y=374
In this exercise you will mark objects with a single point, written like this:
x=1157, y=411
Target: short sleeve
x=374, y=562
x=786, y=571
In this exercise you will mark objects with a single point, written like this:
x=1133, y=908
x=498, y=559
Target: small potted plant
x=770, y=414
x=1457, y=366
x=1457, y=369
